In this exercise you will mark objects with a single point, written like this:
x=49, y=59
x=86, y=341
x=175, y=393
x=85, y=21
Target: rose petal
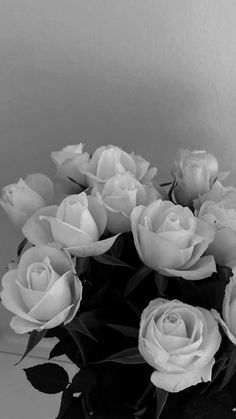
x=159, y=253
x=135, y=217
x=11, y=298
x=76, y=292
x=41, y=184
x=66, y=234
x=98, y=213
x=57, y=299
x=92, y=249
x=178, y=382
x=20, y=325
x=224, y=326
x=38, y=231
x=58, y=319
x=203, y=268
x=59, y=261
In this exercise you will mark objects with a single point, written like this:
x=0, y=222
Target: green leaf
x=231, y=369
x=21, y=247
x=112, y=261
x=127, y=356
x=48, y=378
x=136, y=279
x=79, y=326
x=34, y=338
x=125, y=330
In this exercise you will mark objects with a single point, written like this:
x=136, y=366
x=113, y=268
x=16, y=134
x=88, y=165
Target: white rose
x=171, y=240
x=217, y=193
x=20, y=200
x=195, y=172
x=76, y=224
x=222, y=216
x=108, y=161
x=179, y=341
x=68, y=162
x=229, y=309
x=120, y=195
x=42, y=292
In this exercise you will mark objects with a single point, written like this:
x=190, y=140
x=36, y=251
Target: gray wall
x=145, y=75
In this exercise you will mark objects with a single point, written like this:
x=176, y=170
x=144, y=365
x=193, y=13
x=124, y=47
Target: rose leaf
x=34, y=338
x=48, y=378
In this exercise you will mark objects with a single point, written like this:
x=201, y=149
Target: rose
x=222, y=217
x=42, y=292
x=76, y=225
x=119, y=195
x=229, y=309
x=179, y=341
x=217, y=193
x=171, y=240
x=108, y=161
x=20, y=200
x=195, y=172
x=69, y=161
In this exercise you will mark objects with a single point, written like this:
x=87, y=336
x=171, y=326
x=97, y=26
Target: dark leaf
x=224, y=273
x=78, y=325
x=231, y=369
x=96, y=298
x=112, y=261
x=117, y=247
x=161, y=396
x=48, y=378
x=71, y=407
x=58, y=349
x=127, y=356
x=125, y=330
x=81, y=265
x=84, y=381
x=66, y=401
x=21, y=247
x=34, y=338
x=136, y=279
x=161, y=282
x=171, y=191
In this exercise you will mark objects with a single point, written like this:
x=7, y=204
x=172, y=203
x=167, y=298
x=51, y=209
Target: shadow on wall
x=43, y=108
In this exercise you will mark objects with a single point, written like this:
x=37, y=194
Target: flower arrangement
x=136, y=280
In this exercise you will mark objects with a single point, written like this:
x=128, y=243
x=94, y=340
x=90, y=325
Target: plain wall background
x=146, y=75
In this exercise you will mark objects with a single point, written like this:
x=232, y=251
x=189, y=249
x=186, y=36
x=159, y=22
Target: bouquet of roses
x=135, y=280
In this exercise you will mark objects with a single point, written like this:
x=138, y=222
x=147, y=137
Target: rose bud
x=20, y=200
x=195, y=172
x=120, y=195
x=76, y=225
x=109, y=161
x=68, y=162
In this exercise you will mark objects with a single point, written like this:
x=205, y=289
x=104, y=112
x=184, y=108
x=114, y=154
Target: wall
x=146, y=75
